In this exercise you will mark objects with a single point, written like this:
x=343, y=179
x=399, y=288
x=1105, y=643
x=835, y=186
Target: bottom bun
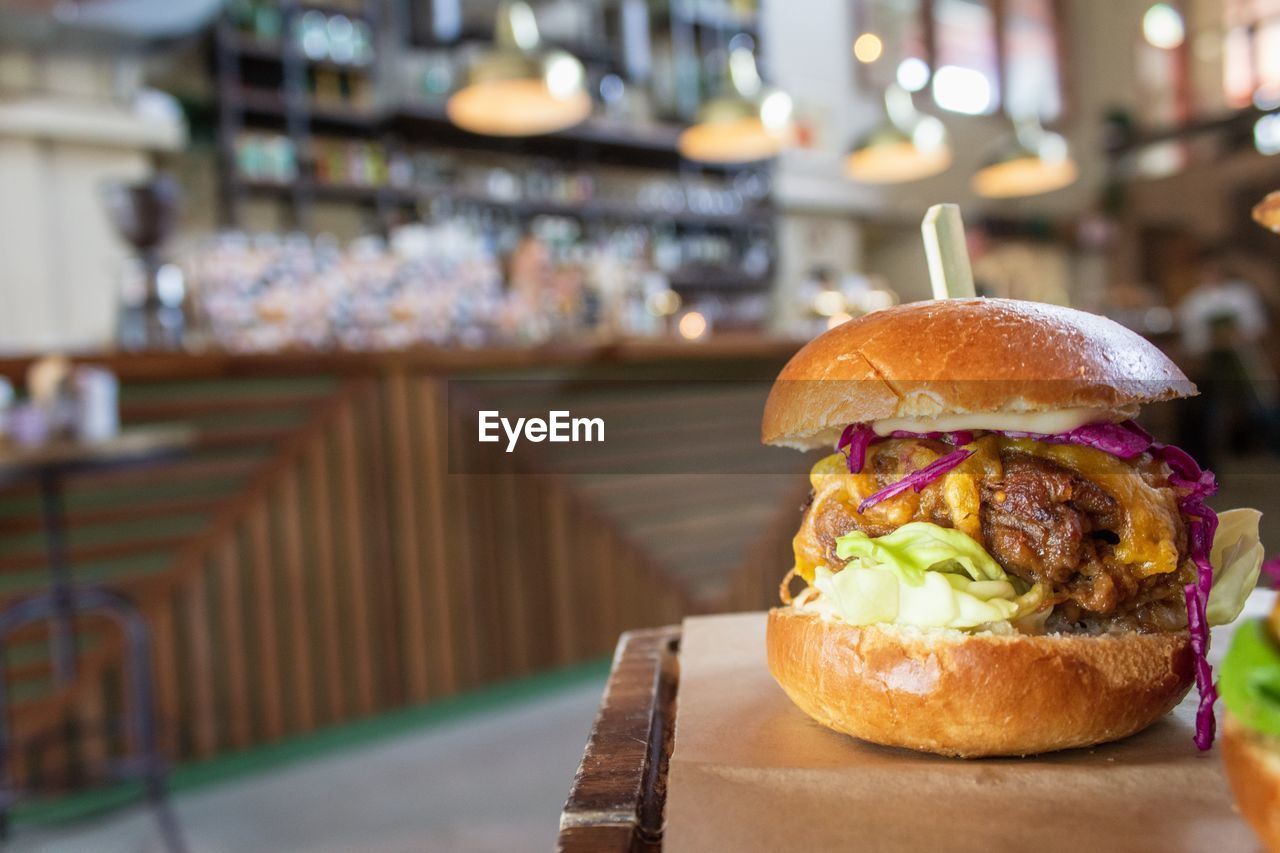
x=972, y=695
x=1252, y=762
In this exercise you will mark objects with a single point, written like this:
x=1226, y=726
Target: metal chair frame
x=147, y=763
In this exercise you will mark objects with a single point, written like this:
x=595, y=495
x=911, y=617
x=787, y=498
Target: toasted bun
x=1252, y=762
x=963, y=356
x=974, y=695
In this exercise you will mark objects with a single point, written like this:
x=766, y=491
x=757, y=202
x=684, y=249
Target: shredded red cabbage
x=917, y=480
x=1125, y=440
x=856, y=438
x=1202, y=524
x=854, y=442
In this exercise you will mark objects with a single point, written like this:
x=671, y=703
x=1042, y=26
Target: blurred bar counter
x=335, y=546
x=148, y=366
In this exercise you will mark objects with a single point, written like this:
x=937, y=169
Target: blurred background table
x=49, y=463
x=64, y=602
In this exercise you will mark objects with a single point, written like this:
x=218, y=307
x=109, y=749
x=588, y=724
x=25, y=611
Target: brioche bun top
x=960, y=357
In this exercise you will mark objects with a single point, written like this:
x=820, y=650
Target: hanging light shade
x=907, y=146
x=517, y=88
x=1033, y=162
x=748, y=122
x=1267, y=212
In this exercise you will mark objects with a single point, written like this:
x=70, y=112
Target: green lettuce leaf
x=922, y=575
x=1237, y=558
x=1249, y=679
x=919, y=547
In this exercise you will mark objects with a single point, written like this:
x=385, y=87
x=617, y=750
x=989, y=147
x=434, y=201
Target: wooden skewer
x=948, y=256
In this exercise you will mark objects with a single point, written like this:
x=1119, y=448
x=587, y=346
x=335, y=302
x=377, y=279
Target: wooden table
x=129, y=447
x=620, y=790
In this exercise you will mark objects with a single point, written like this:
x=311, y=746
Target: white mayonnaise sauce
x=1059, y=420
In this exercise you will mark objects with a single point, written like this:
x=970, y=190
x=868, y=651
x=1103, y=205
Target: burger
x=1250, y=683
x=995, y=558
x=1250, y=686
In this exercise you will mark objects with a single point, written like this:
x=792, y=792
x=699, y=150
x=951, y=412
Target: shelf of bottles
x=334, y=41
x=513, y=243
x=457, y=282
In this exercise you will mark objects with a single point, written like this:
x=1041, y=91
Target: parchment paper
x=750, y=771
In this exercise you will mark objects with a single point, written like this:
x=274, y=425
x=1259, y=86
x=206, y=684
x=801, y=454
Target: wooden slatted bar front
x=341, y=557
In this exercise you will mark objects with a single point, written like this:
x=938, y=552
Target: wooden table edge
x=618, y=795
x=132, y=445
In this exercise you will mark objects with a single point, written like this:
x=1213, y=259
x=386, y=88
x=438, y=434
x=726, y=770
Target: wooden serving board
x=742, y=768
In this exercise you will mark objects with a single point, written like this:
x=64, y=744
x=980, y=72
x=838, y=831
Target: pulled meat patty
x=1042, y=522
x=1045, y=523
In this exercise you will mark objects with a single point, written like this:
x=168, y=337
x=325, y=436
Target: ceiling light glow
x=1162, y=27
x=1266, y=134
x=913, y=74
x=962, y=90
x=867, y=47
